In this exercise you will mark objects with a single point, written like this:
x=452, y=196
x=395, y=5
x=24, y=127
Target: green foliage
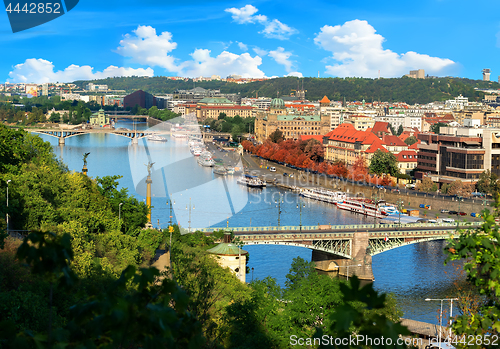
x=384, y=163
x=355, y=89
x=133, y=213
x=299, y=270
x=481, y=252
x=276, y=136
x=488, y=183
x=426, y=185
x=411, y=140
x=435, y=128
x=363, y=311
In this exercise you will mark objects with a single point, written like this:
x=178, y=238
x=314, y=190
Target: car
x=378, y=186
x=291, y=175
x=395, y=191
x=272, y=169
x=444, y=211
x=448, y=220
x=462, y=213
x=453, y=212
x=285, y=174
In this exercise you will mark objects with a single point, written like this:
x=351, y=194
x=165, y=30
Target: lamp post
x=347, y=266
x=441, y=312
x=189, y=221
x=400, y=207
x=279, y=202
x=170, y=203
x=252, y=274
x=299, y=206
x=7, y=217
x=120, y=211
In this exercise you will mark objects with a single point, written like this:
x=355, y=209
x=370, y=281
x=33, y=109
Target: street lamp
x=299, y=206
x=400, y=207
x=279, y=202
x=347, y=266
x=190, y=207
x=7, y=218
x=120, y=211
x=441, y=312
x=170, y=203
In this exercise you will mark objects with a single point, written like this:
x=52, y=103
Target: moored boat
x=251, y=181
x=364, y=206
x=325, y=195
x=156, y=138
x=220, y=170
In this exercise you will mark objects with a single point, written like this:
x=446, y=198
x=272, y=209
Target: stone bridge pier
x=329, y=262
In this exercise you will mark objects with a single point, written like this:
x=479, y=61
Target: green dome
x=278, y=103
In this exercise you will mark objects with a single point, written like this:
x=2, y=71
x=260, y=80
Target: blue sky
x=256, y=39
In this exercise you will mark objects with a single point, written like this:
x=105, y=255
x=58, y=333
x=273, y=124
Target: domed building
x=292, y=124
x=229, y=255
x=278, y=106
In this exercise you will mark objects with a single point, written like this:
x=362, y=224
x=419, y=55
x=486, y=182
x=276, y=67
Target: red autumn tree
x=359, y=170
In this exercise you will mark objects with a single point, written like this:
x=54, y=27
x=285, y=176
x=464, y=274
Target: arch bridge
x=335, y=247
x=62, y=134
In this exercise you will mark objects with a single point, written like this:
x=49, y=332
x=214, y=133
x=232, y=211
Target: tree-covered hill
x=403, y=89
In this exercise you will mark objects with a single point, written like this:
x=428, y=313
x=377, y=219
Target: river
x=413, y=272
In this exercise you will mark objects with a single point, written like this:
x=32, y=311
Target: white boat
x=230, y=170
x=156, y=138
x=388, y=209
x=220, y=170
x=325, y=195
x=362, y=206
x=251, y=181
x=196, y=151
x=207, y=162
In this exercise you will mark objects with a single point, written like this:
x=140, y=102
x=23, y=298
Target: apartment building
x=292, y=125
x=458, y=153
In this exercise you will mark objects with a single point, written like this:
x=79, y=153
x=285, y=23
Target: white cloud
x=246, y=14
x=359, y=51
x=224, y=64
x=260, y=51
x=277, y=30
x=282, y=57
x=295, y=73
x=242, y=46
x=272, y=28
x=145, y=47
x=40, y=70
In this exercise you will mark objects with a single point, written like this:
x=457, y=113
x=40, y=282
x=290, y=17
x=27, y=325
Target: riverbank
x=410, y=200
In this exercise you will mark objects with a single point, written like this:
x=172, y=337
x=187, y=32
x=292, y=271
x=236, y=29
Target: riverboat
x=363, y=206
x=156, y=138
x=325, y=195
x=196, y=151
x=220, y=170
x=251, y=181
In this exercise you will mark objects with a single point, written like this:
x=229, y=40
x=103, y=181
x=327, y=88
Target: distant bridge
x=337, y=246
x=62, y=134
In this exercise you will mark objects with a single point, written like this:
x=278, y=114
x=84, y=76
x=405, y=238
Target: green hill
x=385, y=90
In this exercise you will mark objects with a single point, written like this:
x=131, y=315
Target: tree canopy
x=384, y=163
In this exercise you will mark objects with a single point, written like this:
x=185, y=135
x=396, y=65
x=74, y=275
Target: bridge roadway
x=62, y=134
x=334, y=247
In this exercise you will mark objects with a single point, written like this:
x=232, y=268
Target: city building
x=93, y=87
x=212, y=107
x=99, y=119
x=407, y=161
x=458, y=153
x=141, y=98
x=292, y=125
x=486, y=74
x=346, y=144
x=416, y=74
x=360, y=122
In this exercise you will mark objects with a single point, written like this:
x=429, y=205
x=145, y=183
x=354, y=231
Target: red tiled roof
x=347, y=133
x=407, y=156
x=393, y=141
x=325, y=100
x=308, y=137
x=377, y=145
x=380, y=126
x=415, y=145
